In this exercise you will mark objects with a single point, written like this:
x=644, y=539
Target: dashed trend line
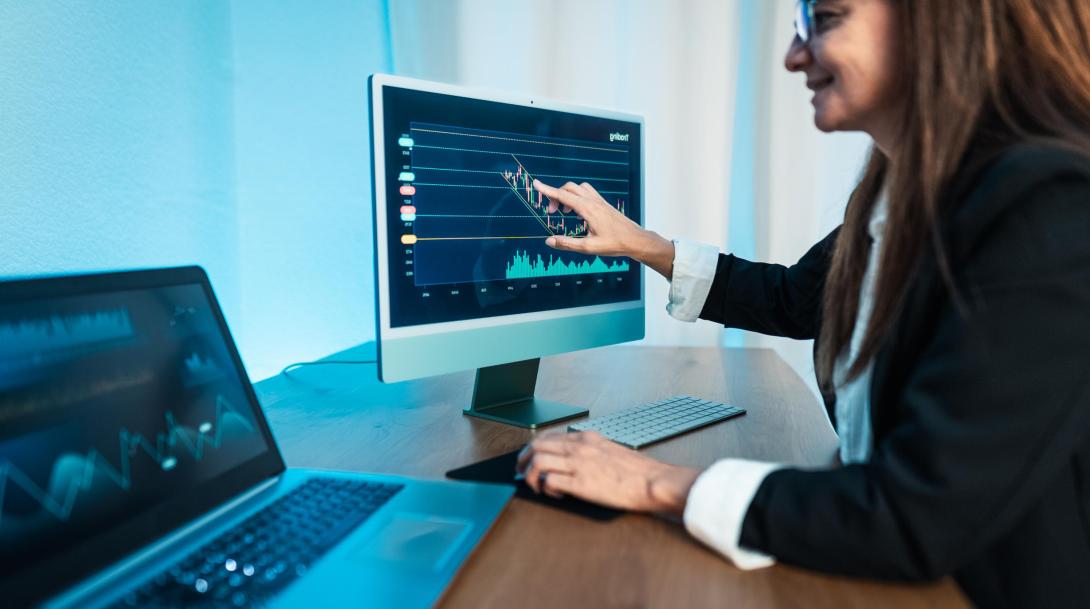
x=128, y=443
x=458, y=185
x=540, y=175
x=536, y=156
x=511, y=139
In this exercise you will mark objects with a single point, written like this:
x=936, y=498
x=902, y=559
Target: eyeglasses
x=804, y=19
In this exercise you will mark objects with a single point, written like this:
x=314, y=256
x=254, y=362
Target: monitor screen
x=111, y=405
x=464, y=227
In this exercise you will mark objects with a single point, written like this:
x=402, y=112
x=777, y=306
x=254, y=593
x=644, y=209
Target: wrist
x=669, y=489
x=656, y=246
x=656, y=252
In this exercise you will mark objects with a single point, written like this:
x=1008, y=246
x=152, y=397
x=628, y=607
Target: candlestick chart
x=472, y=213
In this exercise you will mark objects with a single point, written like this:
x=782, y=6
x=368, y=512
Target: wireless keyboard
x=649, y=423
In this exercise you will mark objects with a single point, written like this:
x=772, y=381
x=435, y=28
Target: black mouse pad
x=501, y=470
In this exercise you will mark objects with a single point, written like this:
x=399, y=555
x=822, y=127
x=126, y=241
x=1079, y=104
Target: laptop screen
x=115, y=405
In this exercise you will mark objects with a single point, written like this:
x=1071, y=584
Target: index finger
x=566, y=197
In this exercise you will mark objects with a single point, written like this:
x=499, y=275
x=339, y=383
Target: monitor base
x=530, y=413
x=505, y=394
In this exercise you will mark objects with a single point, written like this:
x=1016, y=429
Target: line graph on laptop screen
x=110, y=404
x=465, y=226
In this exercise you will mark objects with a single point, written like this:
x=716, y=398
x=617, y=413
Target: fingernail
x=551, y=242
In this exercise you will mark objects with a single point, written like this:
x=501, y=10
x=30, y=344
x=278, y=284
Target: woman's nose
x=798, y=55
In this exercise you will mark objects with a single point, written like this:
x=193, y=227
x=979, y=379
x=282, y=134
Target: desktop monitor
x=464, y=279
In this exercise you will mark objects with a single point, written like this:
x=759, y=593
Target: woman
x=951, y=313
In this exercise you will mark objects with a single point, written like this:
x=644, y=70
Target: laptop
x=138, y=470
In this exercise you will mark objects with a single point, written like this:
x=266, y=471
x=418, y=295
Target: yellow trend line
x=474, y=238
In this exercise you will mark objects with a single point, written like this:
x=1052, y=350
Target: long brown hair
x=996, y=71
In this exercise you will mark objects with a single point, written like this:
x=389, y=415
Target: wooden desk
x=341, y=417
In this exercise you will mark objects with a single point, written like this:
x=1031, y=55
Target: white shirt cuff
x=694, y=270
x=717, y=507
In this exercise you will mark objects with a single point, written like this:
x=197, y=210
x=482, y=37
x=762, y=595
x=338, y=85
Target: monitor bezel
x=52, y=575
x=376, y=84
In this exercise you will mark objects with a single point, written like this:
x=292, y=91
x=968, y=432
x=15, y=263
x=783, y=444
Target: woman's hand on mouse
x=588, y=466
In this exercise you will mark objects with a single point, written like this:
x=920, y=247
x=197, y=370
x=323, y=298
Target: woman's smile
x=819, y=86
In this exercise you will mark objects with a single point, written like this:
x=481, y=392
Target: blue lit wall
x=302, y=150
x=227, y=134
x=115, y=138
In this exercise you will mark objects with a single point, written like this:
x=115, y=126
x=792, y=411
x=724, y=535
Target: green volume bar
x=522, y=267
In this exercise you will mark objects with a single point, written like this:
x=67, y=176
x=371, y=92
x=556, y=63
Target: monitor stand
x=505, y=393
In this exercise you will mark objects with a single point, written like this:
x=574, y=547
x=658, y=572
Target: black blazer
x=981, y=462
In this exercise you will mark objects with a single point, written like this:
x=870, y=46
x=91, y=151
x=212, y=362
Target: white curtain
x=672, y=62
x=733, y=158
x=808, y=178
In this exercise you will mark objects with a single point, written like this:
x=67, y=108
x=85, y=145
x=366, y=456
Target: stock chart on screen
x=110, y=403
x=474, y=186
x=466, y=227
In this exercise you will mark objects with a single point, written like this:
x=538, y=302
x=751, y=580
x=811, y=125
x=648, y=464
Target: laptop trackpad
x=416, y=541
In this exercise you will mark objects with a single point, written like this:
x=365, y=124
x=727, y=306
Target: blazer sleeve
x=996, y=406
x=770, y=298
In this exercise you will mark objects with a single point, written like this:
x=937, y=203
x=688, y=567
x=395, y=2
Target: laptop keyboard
x=247, y=565
x=639, y=426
